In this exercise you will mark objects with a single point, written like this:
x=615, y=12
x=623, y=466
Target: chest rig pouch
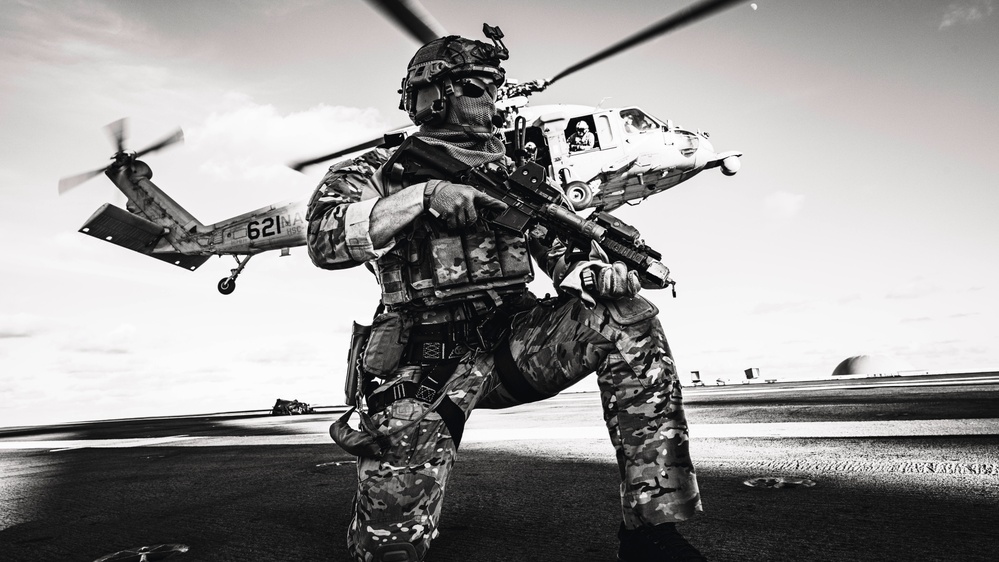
x=433, y=265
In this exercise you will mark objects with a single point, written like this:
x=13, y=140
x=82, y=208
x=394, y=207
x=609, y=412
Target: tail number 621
x=270, y=226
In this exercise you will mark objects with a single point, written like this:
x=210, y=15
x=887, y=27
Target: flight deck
x=902, y=468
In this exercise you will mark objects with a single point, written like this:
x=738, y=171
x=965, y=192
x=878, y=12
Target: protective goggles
x=474, y=87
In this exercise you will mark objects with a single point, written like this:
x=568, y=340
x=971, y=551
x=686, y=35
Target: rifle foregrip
x=648, y=267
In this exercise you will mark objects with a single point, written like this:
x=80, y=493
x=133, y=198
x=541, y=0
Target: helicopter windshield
x=636, y=121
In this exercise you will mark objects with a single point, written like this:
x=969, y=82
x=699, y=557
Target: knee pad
x=396, y=552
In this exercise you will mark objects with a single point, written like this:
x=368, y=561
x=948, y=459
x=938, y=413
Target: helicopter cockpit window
x=635, y=121
x=580, y=135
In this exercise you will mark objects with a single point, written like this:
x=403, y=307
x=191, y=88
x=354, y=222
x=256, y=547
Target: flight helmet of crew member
x=451, y=84
x=531, y=149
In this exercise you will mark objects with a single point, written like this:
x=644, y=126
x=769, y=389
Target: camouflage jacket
x=339, y=212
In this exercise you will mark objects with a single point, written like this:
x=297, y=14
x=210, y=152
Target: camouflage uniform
x=554, y=343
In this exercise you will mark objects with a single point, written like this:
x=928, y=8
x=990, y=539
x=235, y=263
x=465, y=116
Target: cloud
x=66, y=33
x=99, y=340
x=964, y=315
x=782, y=204
x=270, y=9
x=915, y=289
x=966, y=12
x=253, y=142
x=20, y=326
x=773, y=307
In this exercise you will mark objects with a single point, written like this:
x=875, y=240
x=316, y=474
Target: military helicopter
x=154, y=224
x=633, y=155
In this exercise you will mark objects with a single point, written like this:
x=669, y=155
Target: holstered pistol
x=358, y=341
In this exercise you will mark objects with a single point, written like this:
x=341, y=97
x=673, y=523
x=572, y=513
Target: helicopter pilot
x=635, y=121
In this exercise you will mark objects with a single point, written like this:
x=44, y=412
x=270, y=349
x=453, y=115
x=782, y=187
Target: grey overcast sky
x=862, y=220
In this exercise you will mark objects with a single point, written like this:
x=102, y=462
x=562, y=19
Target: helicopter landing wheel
x=580, y=195
x=227, y=285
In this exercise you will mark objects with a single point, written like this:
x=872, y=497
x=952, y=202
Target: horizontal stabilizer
x=186, y=261
x=124, y=229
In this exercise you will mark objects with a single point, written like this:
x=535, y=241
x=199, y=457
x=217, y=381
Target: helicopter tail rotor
x=118, y=132
x=175, y=137
x=67, y=183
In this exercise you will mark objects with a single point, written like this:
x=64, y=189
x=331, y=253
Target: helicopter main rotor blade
x=302, y=164
x=65, y=184
x=117, y=130
x=413, y=17
x=689, y=14
x=177, y=136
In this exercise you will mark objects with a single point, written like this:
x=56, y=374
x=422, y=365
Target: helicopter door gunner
x=531, y=150
x=457, y=329
x=582, y=139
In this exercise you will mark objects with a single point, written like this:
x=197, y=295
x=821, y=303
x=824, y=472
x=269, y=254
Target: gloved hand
x=456, y=203
x=609, y=281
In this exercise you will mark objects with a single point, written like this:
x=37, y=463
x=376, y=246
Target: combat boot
x=659, y=543
x=397, y=552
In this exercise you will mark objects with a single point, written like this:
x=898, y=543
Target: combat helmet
x=428, y=85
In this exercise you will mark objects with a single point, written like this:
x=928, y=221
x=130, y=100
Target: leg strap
x=426, y=391
x=454, y=419
x=512, y=377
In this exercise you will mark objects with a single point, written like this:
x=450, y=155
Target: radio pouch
x=358, y=341
x=389, y=335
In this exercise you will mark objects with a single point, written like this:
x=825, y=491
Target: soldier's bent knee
x=631, y=311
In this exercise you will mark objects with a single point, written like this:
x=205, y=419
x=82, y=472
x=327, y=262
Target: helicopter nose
x=705, y=153
x=705, y=157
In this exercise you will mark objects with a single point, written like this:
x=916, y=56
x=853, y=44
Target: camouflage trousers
x=399, y=495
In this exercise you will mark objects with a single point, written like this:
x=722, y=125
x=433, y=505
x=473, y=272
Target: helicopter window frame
x=604, y=131
x=647, y=124
x=532, y=133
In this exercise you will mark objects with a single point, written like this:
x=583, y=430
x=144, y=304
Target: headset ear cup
x=429, y=105
x=438, y=112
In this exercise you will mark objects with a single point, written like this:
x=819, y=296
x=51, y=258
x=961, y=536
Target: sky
x=861, y=221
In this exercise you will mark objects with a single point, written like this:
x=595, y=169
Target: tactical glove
x=456, y=203
x=609, y=281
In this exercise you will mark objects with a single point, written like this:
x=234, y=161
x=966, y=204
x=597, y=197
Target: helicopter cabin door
x=592, y=141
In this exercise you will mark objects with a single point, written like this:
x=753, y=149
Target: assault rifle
x=531, y=201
